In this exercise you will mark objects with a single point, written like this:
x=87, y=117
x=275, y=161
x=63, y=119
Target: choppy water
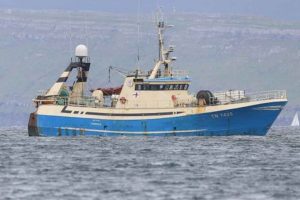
x=150, y=168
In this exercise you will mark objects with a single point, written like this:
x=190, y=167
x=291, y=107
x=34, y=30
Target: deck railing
x=230, y=97
x=220, y=98
x=180, y=73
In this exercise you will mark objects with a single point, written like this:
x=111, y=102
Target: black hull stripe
x=129, y=115
x=64, y=110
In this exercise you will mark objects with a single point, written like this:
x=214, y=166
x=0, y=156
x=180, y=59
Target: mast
x=161, y=26
x=163, y=54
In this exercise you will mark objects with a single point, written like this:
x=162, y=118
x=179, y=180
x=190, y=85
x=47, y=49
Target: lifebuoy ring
x=123, y=100
x=174, y=98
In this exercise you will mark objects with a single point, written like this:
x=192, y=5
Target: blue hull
x=252, y=120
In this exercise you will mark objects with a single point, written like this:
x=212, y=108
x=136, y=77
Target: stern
x=32, y=125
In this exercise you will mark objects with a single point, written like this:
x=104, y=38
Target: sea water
x=237, y=167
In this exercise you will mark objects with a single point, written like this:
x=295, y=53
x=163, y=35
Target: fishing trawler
x=155, y=103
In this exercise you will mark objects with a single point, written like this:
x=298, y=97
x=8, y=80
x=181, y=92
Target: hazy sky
x=279, y=9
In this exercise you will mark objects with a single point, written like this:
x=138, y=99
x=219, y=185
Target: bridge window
x=157, y=87
x=138, y=87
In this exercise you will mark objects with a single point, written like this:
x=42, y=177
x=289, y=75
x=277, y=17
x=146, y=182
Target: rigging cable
x=70, y=35
x=86, y=30
x=138, y=32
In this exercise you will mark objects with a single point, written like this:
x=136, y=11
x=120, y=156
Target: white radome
x=81, y=51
